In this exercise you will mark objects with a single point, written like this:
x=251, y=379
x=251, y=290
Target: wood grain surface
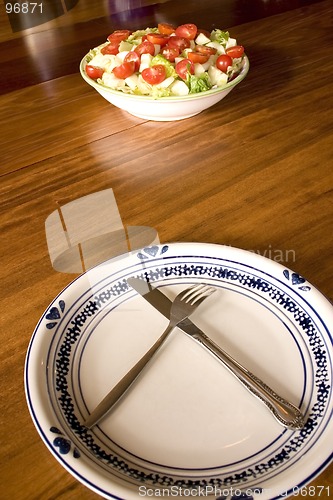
x=254, y=171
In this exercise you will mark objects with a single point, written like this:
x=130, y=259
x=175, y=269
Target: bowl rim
x=100, y=87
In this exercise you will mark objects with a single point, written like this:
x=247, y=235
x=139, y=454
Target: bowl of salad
x=165, y=73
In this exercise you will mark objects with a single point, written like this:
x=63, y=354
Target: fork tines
x=197, y=292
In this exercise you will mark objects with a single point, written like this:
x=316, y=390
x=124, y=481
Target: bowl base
x=163, y=118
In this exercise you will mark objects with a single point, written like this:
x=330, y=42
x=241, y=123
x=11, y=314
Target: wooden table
x=254, y=171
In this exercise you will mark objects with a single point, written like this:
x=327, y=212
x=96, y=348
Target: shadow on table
x=88, y=231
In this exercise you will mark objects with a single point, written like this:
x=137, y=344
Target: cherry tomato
x=203, y=49
x=187, y=31
x=124, y=70
x=183, y=67
x=145, y=47
x=236, y=51
x=133, y=56
x=223, y=62
x=179, y=43
x=94, y=72
x=110, y=48
x=155, y=74
x=119, y=35
x=165, y=28
x=196, y=57
x=170, y=53
x=158, y=39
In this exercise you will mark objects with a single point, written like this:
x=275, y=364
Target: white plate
x=186, y=425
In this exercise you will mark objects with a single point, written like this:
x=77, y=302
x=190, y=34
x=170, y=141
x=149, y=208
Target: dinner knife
x=285, y=412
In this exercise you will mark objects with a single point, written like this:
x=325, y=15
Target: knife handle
x=121, y=387
x=284, y=411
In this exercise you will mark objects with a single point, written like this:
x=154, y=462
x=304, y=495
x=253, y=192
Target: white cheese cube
x=198, y=69
x=168, y=81
x=132, y=81
x=146, y=60
x=216, y=76
x=231, y=42
x=179, y=88
x=201, y=39
x=125, y=46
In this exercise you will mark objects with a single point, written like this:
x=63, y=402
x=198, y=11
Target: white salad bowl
x=165, y=108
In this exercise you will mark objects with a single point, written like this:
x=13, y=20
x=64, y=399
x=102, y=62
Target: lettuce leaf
x=158, y=92
x=91, y=54
x=136, y=37
x=199, y=83
x=220, y=36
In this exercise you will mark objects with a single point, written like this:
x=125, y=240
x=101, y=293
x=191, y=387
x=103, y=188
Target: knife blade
x=285, y=412
x=161, y=302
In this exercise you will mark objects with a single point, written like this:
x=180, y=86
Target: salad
x=165, y=61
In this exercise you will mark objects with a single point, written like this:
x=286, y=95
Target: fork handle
x=121, y=387
x=284, y=411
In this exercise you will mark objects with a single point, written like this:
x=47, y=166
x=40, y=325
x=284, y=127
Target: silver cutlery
x=285, y=412
x=183, y=306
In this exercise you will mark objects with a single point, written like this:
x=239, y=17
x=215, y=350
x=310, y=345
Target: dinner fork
x=182, y=307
